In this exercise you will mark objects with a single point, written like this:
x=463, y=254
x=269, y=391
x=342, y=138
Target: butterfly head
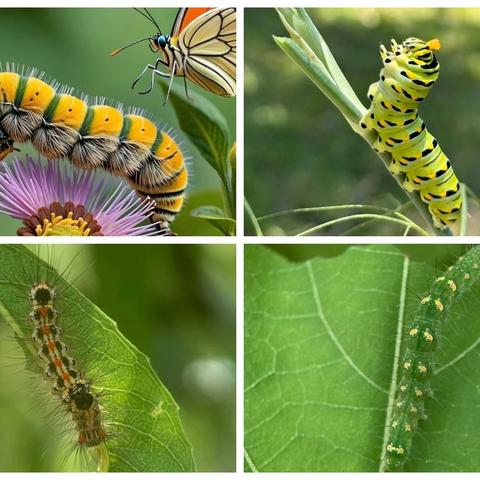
x=159, y=42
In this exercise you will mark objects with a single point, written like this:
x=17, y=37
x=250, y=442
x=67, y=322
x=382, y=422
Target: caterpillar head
x=79, y=392
x=42, y=294
x=419, y=49
x=6, y=145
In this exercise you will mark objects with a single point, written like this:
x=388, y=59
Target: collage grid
x=244, y=242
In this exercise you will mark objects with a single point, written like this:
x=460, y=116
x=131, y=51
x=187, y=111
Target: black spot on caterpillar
x=93, y=135
x=417, y=362
x=409, y=71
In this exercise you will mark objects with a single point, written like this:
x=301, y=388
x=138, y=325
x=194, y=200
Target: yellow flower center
x=59, y=226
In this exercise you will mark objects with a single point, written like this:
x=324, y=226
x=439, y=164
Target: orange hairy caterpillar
x=93, y=134
x=70, y=385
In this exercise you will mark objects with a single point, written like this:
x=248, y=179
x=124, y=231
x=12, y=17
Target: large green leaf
x=319, y=354
x=141, y=416
x=208, y=131
x=204, y=124
x=216, y=217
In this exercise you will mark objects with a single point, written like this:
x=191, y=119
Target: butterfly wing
x=208, y=44
x=184, y=17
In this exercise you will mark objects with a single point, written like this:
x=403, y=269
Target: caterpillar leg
x=6, y=145
x=444, y=204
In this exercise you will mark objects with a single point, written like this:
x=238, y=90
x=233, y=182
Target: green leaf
x=232, y=158
x=141, y=417
x=316, y=71
x=319, y=354
x=205, y=125
x=300, y=23
x=216, y=217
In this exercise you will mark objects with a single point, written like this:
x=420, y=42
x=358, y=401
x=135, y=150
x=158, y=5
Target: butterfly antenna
x=145, y=13
x=118, y=50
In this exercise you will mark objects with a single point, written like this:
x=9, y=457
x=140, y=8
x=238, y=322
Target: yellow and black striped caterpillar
x=93, y=135
x=409, y=71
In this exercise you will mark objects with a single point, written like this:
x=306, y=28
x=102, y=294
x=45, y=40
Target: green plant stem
x=464, y=214
x=399, y=209
x=253, y=219
x=228, y=195
x=314, y=71
x=322, y=226
x=331, y=208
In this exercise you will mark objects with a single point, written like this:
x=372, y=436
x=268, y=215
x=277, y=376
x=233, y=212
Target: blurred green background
x=73, y=46
x=176, y=303
x=439, y=256
x=299, y=150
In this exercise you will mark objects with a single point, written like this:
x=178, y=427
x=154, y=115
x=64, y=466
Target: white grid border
x=241, y=240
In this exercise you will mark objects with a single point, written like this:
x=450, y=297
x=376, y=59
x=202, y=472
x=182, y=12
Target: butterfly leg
x=186, y=88
x=172, y=75
x=155, y=71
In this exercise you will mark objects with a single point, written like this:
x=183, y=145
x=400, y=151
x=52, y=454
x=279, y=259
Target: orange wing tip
x=434, y=44
x=115, y=52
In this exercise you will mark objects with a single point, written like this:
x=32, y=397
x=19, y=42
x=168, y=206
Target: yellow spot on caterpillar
x=438, y=304
x=413, y=409
x=403, y=388
x=440, y=279
x=408, y=427
x=393, y=448
x=452, y=285
x=407, y=365
x=394, y=424
x=450, y=268
x=434, y=44
x=425, y=300
x=399, y=404
x=428, y=336
x=413, y=332
x=418, y=392
x=422, y=369
x=475, y=266
x=466, y=276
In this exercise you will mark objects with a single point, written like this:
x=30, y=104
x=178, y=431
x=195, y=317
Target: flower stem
x=253, y=219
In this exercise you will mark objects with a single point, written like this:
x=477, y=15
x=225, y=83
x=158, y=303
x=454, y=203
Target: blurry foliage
x=436, y=256
x=73, y=45
x=176, y=303
x=299, y=152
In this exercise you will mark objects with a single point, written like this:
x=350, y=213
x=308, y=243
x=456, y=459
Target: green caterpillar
x=409, y=71
x=417, y=362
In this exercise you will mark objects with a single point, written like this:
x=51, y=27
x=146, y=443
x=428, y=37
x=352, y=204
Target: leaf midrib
x=396, y=356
